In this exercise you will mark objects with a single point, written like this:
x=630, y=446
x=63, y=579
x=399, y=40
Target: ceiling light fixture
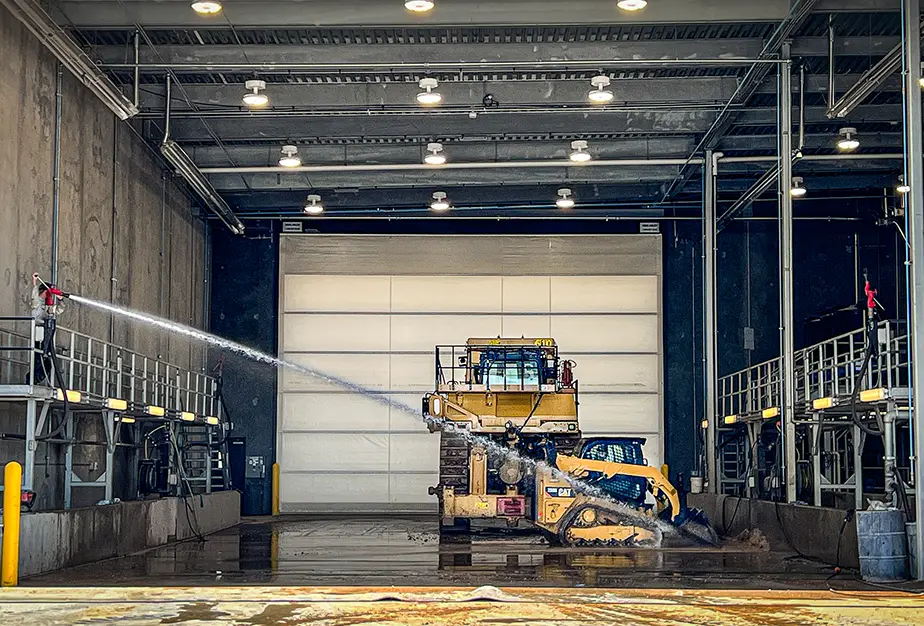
x=579, y=153
x=254, y=98
x=440, y=202
x=921, y=80
x=207, y=8
x=435, y=154
x=632, y=5
x=289, y=157
x=429, y=97
x=600, y=94
x=798, y=188
x=565, y=201
x=848, y=141
x=902, y=186
x=419, y=6
x=314, y=206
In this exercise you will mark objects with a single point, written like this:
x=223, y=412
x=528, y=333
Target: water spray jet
x=492, y=448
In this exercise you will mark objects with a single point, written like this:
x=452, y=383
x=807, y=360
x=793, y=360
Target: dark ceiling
x=342, y=79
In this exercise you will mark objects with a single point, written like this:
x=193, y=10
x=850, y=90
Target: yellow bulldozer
x=511, y=451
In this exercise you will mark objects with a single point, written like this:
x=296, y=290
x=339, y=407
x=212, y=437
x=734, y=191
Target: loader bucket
x=693, y=524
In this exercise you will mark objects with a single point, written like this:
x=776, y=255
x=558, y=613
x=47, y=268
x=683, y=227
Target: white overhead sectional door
x=369, y=310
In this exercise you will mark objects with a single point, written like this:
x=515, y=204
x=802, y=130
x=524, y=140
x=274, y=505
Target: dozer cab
x=511, y=451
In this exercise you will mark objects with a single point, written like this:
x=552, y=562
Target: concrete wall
x=51, y=541
x=125, y=225
x=816, y=532
x=127, y=231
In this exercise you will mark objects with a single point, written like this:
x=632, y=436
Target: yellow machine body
x=485, y=399
x=517, y=394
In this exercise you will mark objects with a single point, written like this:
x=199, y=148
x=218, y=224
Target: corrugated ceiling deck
x=520, y=34
x=853, y=24
x=389, y=76
x=846, y=25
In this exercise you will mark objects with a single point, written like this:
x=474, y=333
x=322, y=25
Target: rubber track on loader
x=611, y=513
x=454, y=454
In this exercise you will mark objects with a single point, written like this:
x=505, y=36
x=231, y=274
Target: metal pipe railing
x=825, y=369
x=101, y=370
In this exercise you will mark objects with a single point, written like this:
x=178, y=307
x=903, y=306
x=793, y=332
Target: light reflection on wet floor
x=407, y=551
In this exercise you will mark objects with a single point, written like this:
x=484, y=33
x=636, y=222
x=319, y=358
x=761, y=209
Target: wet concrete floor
x=407, y=552
x=342, y=606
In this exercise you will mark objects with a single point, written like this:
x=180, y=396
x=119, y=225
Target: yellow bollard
x=12, y=501
x=275, y=489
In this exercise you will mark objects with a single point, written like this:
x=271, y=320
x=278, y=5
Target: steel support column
x=710, y=371
x=69, y=435
x=28, y=469
x=914, y=175
x=787, y=347
x=109, y=427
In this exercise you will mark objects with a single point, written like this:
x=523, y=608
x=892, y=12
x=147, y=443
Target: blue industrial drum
x=883, y=546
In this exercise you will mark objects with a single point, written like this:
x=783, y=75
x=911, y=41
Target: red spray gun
x=51, y=292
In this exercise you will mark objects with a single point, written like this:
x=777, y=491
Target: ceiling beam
x=293, y=200
x=461, y=152
x=868, y=83
x=441, y=177
x=749, y=85
x=250, y=56
x=560, y=125
x=372, y=13
x=340, y=97
x=310, y=128
x=818, y=83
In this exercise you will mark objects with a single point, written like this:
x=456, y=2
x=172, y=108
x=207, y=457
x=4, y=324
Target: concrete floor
x=407, y=551
x=356, y=571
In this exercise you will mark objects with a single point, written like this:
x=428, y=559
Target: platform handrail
x=101, y=370
x=826, y=369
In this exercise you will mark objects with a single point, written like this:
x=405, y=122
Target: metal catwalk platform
x=830, y=441
x=127, y=393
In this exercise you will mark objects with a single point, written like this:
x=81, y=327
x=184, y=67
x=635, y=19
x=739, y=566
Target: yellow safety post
x=275, y=489
x=12, y=501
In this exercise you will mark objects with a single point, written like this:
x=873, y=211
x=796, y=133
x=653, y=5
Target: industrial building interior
x=443, y=311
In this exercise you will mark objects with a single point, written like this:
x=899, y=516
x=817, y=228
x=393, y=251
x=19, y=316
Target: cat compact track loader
x=511, y=450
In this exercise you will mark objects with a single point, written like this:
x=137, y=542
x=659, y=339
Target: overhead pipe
x=764, y=182
x=168, y=106
x=56, y=180
x=425, y=66
x=787, y=156
x=420, y=167
x=914, y=215
x=710, y=376
x=298, y=214
x=186, y=168
x=69, y=53
x=885, y=156
x=869, y=82
x=137, y=74
x=399, y=111
x=757, y=189
x=831, y=94
x=801, y=107
x=754, y=77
